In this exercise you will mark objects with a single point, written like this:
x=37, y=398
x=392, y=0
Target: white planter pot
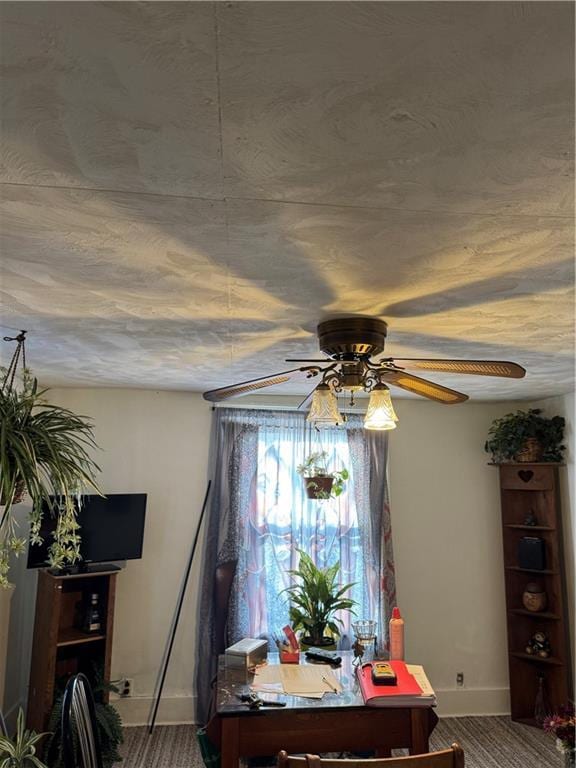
x=5, y=600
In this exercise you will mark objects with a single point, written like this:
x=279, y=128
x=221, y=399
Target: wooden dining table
x=337, y=722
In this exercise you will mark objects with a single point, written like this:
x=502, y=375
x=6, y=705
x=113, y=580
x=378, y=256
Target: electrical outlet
x=126, y=687
x=460, y=679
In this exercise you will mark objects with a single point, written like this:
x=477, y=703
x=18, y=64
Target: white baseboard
x=453, y=702
x=461, y=702
x=172, y=710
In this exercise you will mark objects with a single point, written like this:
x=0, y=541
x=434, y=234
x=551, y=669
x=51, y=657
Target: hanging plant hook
x=20, y=350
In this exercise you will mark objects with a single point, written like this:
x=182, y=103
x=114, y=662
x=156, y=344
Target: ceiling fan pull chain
x=8, y=382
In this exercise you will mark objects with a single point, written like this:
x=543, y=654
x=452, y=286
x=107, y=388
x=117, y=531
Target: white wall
x=448, y=550
x=446, y=531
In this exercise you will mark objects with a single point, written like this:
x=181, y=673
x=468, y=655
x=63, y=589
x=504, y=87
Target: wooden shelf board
x=530, y=527
x=530, y=570
x=73, y=636
x=526, y=464
x=535, y=614
x=537, y=659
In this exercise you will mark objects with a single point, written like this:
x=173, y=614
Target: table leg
x=420, y=730
x=230, y=743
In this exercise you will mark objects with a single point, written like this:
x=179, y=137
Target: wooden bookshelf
x=534, y=488
x=60, y=648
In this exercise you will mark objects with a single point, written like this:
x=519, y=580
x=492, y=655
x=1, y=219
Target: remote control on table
x=327, y=657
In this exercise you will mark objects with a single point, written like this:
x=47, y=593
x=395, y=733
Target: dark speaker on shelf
x=532, y=553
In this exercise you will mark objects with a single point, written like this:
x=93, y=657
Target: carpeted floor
x=488, y=742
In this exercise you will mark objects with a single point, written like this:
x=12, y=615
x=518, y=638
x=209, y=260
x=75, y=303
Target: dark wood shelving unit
x=60, y=648
x=533, y=489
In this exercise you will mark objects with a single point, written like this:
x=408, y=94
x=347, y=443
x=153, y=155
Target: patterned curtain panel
x=260, y=516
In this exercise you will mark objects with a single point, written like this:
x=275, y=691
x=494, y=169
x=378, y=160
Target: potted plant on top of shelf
x=315, y=599
x=526, y=436
x=318, y=481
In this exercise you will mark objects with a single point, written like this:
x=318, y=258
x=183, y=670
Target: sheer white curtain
x=281, y=520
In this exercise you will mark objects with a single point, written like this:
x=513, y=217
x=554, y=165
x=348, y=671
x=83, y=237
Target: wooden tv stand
x=59, y=648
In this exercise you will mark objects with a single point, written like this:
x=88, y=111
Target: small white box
x=246, y=653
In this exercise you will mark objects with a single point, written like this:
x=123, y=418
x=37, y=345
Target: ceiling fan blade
x=477, y=367
x=245, y=387
x=307, y=360
x=423, y=387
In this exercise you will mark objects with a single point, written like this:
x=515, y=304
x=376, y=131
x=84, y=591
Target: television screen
x=111, y=527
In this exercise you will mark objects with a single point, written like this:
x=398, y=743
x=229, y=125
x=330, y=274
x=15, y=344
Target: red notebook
x=405, y=693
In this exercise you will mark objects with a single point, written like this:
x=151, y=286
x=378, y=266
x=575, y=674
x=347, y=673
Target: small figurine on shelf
x=534, y=597
x=531, y=518
x=539, y=645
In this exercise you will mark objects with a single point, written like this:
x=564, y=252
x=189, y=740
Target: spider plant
x=20, y=752
x=45, y=451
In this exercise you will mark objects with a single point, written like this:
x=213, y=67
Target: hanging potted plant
x=44, y=449
x=526, y=436
x=318, y=481
x=314, y=601
x=45, y=453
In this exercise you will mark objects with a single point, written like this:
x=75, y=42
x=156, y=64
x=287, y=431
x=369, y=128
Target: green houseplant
x=314, y=601
x=44, y=452
x=108, y=723
x=20, y=752
x=526, y=436
x=318, y=481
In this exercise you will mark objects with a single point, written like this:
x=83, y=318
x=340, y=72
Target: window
x=284, y=520
x=275, y=519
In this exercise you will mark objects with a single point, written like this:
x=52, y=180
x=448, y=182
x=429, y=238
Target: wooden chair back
x=447, y=758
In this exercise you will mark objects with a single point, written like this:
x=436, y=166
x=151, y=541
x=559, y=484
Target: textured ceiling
x=188, y=188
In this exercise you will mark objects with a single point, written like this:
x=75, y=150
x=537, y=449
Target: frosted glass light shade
x=380, y=413
x=324, y=409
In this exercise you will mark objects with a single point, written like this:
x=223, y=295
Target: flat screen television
x=111, y=527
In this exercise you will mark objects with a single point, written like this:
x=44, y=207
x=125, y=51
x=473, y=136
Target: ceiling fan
x=350, y=345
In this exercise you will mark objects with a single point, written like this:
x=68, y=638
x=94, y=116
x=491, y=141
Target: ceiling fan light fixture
x=380, y=414
x=324, y=408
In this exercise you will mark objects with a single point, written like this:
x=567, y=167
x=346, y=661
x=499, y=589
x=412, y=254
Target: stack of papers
x=413, y=688
x=296, y=680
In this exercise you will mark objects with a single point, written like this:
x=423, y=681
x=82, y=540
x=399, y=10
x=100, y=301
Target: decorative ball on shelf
x=531, y=518
x=534, y=597
x=539, y=645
